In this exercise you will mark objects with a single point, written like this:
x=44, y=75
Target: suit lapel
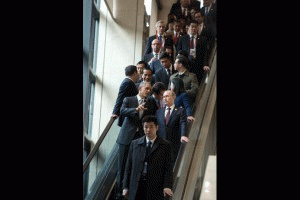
x=173, y=114
x=155, y=145
x=142, y=148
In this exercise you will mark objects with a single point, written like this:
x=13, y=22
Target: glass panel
x=103, y=156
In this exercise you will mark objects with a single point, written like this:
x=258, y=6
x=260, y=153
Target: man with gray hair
x=161, y=36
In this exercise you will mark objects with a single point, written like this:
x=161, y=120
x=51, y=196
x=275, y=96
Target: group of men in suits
x=170, y=132
x=198, y=41
x=152, y=127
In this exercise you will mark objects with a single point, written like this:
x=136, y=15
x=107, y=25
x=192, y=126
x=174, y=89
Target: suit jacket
x=174, y=129
x=195, y=64
x=159, y=168
x=161, y=75
x=183, y=100
x=184, y=44
x=148, y=49
x=147, y=57
x=176, y=10
x=132, y=122
x=178, y=37
x=127, y=89
x=155, y=66
x=190, y=83
x=210, y=22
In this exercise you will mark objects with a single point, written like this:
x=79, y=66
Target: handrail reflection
x=97, y=145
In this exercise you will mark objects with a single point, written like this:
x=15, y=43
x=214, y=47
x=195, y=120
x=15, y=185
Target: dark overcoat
x=159, y=168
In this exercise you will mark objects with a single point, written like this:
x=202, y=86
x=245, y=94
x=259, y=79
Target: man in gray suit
x=133, y=109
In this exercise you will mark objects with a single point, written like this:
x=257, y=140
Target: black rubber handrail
x=182, y=146
x=97, y=145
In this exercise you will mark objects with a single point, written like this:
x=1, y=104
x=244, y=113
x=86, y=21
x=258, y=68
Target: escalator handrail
x=97, y=145
x=182, y=146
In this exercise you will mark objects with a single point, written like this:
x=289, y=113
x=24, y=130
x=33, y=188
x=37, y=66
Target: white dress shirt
x=172, y=108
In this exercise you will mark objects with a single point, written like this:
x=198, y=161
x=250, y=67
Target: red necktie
x=168, y=116
x=175, y=39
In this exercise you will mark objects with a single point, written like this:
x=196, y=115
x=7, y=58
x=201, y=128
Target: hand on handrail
x=206, y=68
x=115, y=116
x=190, y=119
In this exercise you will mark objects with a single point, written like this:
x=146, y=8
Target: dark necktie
x=147, y=153
x=168, y=115
x=169, y=72
x=148, y=149
x=160, y=39
x=192, y=42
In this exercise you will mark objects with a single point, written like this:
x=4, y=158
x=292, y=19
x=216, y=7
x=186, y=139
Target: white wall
x=153, y=18
x=120, y=45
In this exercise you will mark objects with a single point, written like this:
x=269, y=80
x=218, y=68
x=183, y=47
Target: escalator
x=100, y=167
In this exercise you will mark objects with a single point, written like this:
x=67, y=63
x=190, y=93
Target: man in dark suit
x=194, y=45
x=127, y=89
x=158, y=90
x=147, y=76
x=209, y=31
x=172, y=123
x=154, y=54
x=163, y=74
x=161, y=36
x=148, y=174
x=181, y=9
x=177, y=32
x=133, y=109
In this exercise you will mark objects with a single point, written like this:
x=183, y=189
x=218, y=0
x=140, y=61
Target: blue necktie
x=160, y=39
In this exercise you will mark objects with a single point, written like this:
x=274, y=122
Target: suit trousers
x=122, y=158
x=141, y=193
x=123, y=153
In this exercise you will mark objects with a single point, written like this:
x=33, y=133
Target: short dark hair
x=130, y=70
x=183, y=60
x=184, y=53
x=164, y=55
x=142, y=62
x=158, y=87
x=150, y=118
x=148, y=68
x=178, y=85
x=193, y=21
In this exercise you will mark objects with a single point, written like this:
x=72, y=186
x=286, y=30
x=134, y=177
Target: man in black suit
x=133, y=109
x=172, y=123
x=158, y=90
x=153, y=56
x=148, y=174
x=147, y=76
x=127, y=89
x=181, y=9
x=209, y=31
x=194, y=44
x=161, y=36
x=164, y=73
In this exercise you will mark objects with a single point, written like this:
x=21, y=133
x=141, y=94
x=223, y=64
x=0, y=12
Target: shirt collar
x=172, y=107
x=152, y=141
x=195, y=36
x=138, y=97
x=180, y=73
x=129, y=78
